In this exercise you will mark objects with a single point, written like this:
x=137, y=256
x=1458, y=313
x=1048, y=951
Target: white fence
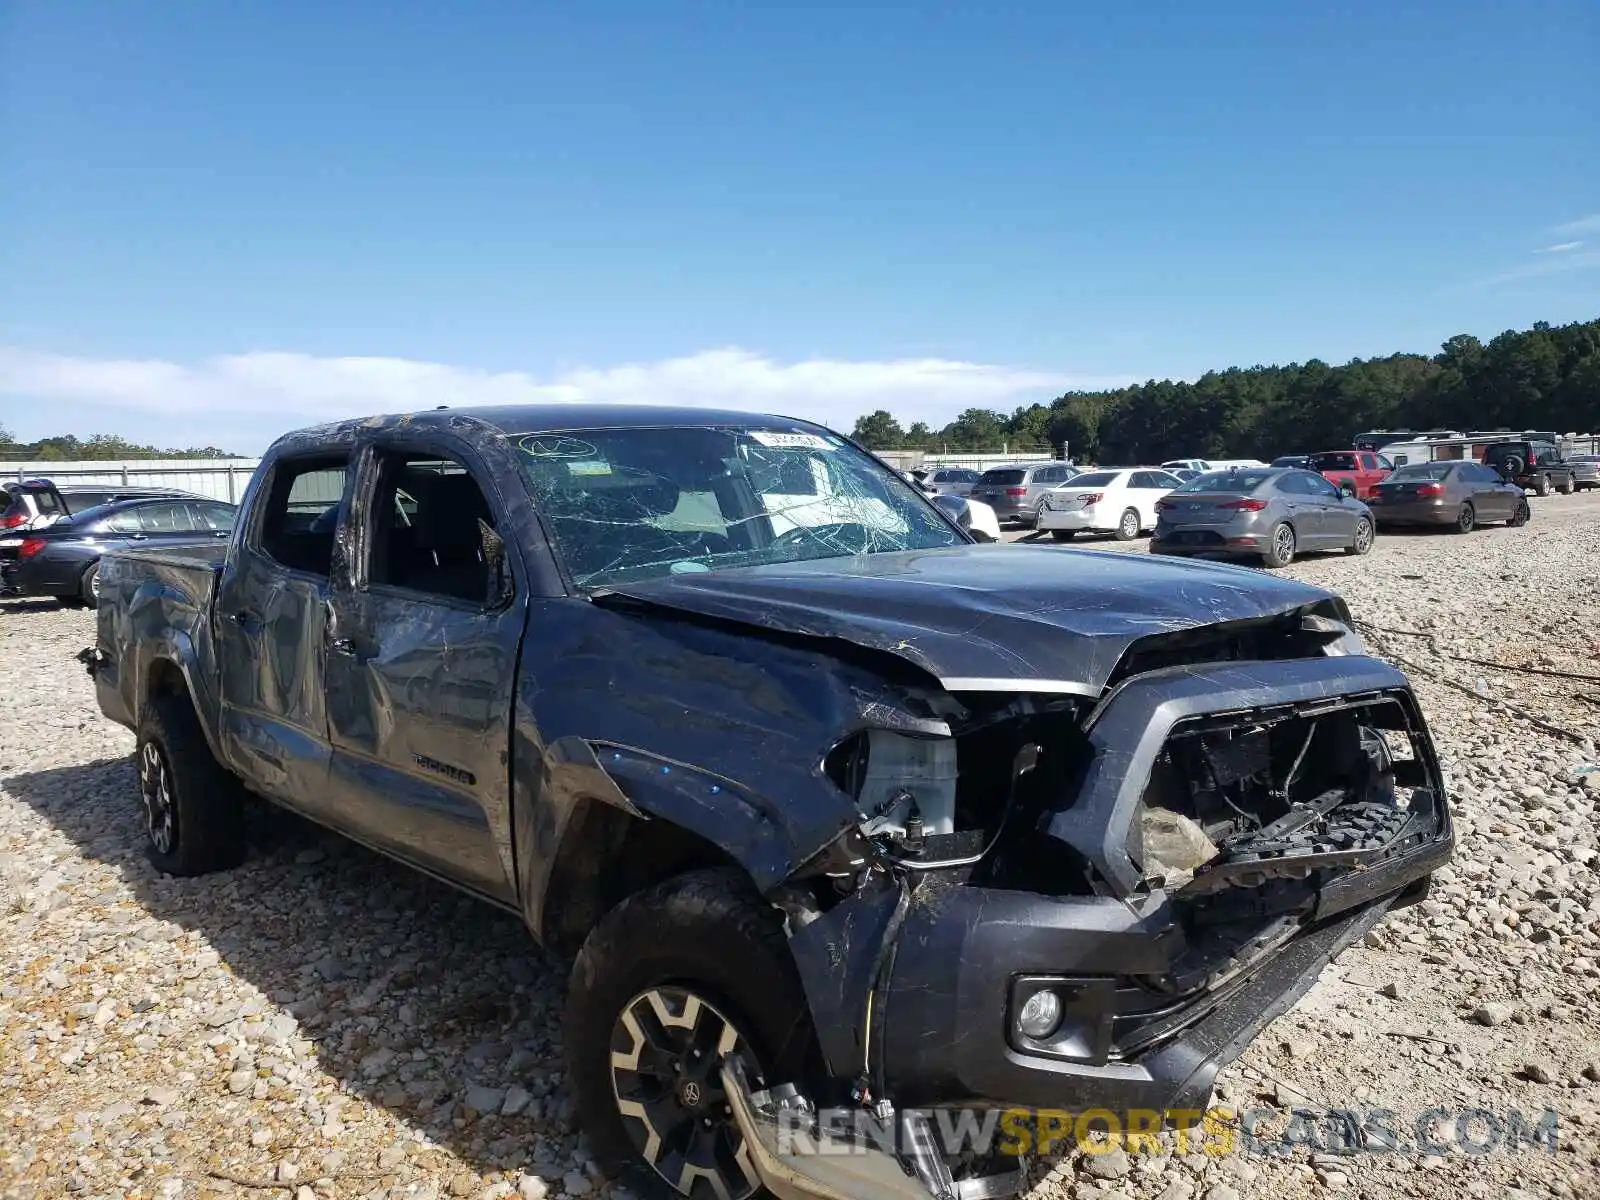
x=217, y=478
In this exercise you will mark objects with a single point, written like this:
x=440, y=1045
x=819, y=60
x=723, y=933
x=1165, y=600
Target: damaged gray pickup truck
x=836, y=809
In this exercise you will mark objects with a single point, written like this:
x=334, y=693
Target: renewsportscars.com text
x=1214, y=1131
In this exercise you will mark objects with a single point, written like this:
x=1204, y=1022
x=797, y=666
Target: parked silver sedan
x=1456, y=495
x=1268, y=513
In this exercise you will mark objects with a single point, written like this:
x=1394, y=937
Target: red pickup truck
x=1355, y=472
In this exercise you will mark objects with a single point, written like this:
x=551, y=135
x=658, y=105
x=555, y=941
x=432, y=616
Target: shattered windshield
x=629, y=504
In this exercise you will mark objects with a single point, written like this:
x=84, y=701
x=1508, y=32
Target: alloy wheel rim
x=94, y=584
x=667, y=1048
x=1283, y=543
x=1363, y=535
x=1130, y=524
x=155, y=790
x=1466, y=518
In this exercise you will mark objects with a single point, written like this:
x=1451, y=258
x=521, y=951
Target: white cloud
x=1541, y=268
x=1589, y=224
x=1560, y=248
x=201, y=402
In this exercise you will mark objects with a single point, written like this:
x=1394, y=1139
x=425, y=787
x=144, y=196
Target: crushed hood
x=983, y=617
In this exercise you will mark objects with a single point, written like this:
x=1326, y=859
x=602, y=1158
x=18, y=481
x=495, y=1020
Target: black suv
x=1534, y=464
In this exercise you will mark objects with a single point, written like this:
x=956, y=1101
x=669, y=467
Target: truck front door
x=271, y=616
x=422, y=664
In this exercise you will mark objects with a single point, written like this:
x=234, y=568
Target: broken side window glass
x=628, y=504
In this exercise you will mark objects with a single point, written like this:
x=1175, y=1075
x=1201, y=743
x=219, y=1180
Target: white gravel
x=323, y=1023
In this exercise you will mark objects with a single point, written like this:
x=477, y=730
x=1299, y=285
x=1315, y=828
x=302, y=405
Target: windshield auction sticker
x=775, y=440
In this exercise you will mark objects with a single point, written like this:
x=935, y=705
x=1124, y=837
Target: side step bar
x=837, y=1165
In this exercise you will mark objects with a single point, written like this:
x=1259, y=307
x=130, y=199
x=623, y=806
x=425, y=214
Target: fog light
x=1040, y=1015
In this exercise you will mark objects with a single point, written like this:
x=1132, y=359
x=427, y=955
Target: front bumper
x=942, y=1032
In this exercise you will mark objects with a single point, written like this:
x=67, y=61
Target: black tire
x=1512, y=466
x=1127, y=531
x=705, y=934
x=1062, y=535
x=1466, y=519
x=1364, y=535
x=89, y=588
x=1567, y=488
x=1520, y=515
x=1541, y=485
x=1281, y=544
x=193, y=807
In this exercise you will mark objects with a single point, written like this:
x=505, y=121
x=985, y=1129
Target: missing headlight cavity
x=932, y=800
x=1293, y=792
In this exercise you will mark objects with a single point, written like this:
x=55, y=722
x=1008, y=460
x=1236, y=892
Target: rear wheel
x=1280, y=546
x=1566, y=487
x=1520, y=515
x=1062, y=535
x=669, y=982
x=89, y=592
x=1128, y=526
x=1541, y=485
x=1467, y=519
x=1362, y=541
x=193, y=808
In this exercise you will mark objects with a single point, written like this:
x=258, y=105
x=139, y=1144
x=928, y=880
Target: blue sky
x=218, y=221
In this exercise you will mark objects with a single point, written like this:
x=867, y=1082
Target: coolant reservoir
x=925, y=767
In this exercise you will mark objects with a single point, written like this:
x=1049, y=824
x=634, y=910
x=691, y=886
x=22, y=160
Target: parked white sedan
x=1118, y=502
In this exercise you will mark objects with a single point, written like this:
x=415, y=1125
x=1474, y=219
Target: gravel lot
x=322, y=1023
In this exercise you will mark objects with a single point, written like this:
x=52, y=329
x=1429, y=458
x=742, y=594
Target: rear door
x=271, y=628
x=422, y=662
x=1145, y=489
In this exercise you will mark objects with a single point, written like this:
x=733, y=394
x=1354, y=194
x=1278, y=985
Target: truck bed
x=149, y=599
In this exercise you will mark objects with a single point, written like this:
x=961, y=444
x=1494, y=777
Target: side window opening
x=302, y=513
x=433, y=531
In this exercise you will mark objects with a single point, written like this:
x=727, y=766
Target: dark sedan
x=1260, y=512
x=1455, y=495
x=63, y=560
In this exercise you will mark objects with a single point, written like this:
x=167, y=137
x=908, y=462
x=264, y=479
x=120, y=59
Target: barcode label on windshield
x=790, y=441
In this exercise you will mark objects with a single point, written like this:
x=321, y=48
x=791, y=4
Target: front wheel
x=1541, y=485
x=193, y=807
x=1128, y=526
x=1567, y=488
x=1062, y=535
x=1362, y=541
x=1520, y=515
x=669, y=982
x=1280, y=546
x=1467, y=519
